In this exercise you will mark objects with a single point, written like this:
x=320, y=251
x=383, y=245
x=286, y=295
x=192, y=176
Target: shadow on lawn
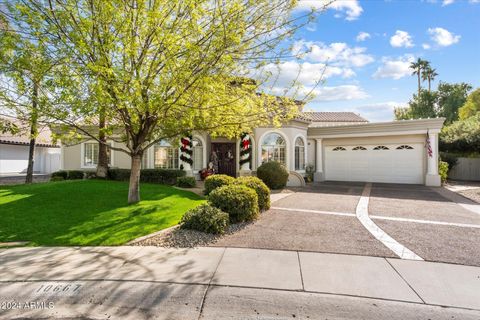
x=89, y=212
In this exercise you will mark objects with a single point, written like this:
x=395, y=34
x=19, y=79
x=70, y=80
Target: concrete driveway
x=322, y=218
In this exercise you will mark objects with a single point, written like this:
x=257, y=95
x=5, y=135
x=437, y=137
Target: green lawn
x=88, y=212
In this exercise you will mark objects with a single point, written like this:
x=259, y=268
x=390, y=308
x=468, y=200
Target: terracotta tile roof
x=332, y=117
x=44, y=138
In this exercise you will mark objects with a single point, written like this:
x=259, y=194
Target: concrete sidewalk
x=124, y=272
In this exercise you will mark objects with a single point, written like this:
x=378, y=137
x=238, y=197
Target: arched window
x=359, y=148
x=380, y=148
x=165, y=156
x=339, y=149
x=404, y=147
x=197, y=154
x=299, y=154
x=273, y=148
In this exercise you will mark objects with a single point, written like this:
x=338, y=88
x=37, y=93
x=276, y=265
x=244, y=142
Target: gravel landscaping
x=183, y=238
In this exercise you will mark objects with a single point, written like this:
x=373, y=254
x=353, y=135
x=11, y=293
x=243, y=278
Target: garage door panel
x=389, y=166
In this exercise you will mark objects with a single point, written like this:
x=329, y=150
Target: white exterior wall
x=14, y=159
x=290, y=134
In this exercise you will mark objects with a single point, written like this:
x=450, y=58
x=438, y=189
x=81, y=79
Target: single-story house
x=340, y=146
x=14, y=151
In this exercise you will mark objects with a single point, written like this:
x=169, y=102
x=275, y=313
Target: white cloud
x=426, y=46
x=443, y=37
x=304, y=73
x=351, y=9
x=335, y=54
x=377, y=112
x=447, y=2
x=401, y=39
x=394, y=68
x=331, y=93
x=362, y=36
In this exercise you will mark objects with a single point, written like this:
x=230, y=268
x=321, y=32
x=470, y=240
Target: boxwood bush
x=205, y=218
x=186, y=182
x=163, y=176
x=75, y=174
x=67, y=175
x=62, y=174
x=240, y=202
x=217, y=180
x=260, y=188
x=274, y=174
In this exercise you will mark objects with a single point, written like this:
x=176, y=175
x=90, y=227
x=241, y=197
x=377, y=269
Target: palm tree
x=418, y=67
x=429, y=75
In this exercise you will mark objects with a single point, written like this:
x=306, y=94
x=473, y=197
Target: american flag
x=429, y=146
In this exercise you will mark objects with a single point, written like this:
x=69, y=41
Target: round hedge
x=240, y=202
x=205, y=218
x=217, y=180
x=274, y=174
x=260, y=188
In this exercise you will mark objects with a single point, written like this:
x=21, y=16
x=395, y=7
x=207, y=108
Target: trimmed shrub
x=217, y=180
x=118, y=174
x=62, y=173
x=186, y=182
x=274, y=174
x=75, y=174
x=260, y=188
x=443, y=170
x=163, y=176
x=56, y=178
x=240, y=202
x=205, y=218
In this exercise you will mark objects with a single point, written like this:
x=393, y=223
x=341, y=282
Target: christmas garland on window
x=245, y=148
x=187, y=150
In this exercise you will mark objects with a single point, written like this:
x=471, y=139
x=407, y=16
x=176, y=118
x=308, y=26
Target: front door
x=226, y=158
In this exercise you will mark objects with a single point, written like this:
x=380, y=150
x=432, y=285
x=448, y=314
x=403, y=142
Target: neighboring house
x=14, y=151
x=342, y=146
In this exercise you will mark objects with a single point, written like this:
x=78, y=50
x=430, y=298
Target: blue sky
x=367, y=46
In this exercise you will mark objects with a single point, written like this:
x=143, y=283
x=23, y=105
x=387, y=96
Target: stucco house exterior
x=342, y=146
x=14, y=151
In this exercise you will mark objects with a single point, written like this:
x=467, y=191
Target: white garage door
x=375, y=163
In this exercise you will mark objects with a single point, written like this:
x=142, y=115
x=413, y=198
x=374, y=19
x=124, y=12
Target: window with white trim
x=404, y=147
x=381, y=148
x=299, y=154
x=90, y=154
x=339, y=149
x=165, y=156
x=273, y=148
x=197, y=154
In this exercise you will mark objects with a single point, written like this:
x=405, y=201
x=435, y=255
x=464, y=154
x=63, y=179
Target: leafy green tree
x=165, y=68
x=462, y=136
x=471, y=106
x=26, y=69
x=451, y=97
x=420, y=107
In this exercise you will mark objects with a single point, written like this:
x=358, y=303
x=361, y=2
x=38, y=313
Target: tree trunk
x=429, y=85
x=419, y=86
x=134, y=187
x=102, y=166
x=33, y=134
